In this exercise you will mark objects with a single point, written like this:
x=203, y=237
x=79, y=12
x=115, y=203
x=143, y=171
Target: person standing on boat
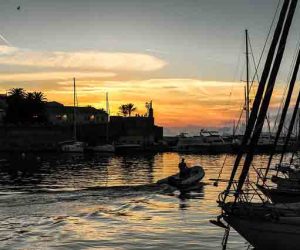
x=183, y=169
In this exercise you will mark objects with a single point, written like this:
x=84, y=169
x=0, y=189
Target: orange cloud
x=177, y=102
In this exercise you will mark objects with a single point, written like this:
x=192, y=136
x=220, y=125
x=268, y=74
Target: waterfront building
x=58, y=114
x=139, y=130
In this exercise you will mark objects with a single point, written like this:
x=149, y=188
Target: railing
x=248, y=194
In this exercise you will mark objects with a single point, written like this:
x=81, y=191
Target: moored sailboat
x=107, y=147
x=73, y=146
x=263, y=224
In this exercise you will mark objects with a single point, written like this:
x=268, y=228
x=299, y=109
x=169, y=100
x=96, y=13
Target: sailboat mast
x=74, y=110
x=260, y=92
x=292, y=122
x=284, y=112
x=247, y=79
x=267, y=97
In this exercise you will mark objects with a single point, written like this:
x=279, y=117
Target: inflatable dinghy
x=196, y=174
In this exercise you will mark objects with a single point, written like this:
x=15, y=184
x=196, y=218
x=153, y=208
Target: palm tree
x=130, y=108
x=17, y=93
x=123, y=110
x=25, y=107
x=29, y=96
x=38, y=110
x=16, y=110
x=39, y=97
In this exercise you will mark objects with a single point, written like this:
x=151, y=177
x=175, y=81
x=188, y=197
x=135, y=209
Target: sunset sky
x=185, y=55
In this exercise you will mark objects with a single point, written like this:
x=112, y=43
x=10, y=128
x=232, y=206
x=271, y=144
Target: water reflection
x=102, y=201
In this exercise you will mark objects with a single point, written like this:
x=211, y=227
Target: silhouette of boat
x=74, y=145
x=196, y=174
x=263, y=224
x=206, y=142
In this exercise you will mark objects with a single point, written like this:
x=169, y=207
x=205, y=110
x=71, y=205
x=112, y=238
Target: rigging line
x=287, y=83
x=239, y=120
x=242, y=72
x=242, y=106
x=263, y=50
x=240, y=117
x=225, y=159
x=267, y=97
x=221, y=170
x=259, y=94
x=280, y=107
x=256, y=66
x=235, y=76
x=267, y=38
x=292, y=122
x=254, y=62
x=237, y=68
x=285, y=109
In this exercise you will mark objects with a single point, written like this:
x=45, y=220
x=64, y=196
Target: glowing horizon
x=181, y=56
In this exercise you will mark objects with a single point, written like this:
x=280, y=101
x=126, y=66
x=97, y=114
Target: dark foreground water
x=93, y=202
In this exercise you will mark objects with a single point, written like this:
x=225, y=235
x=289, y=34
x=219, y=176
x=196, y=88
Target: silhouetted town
x=39, y=125
x=28, y=122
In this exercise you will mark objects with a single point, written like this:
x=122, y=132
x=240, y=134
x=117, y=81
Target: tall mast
x=260, y=92
x=284, y=112
x=292, y=122
x=74, y=110
x=267, y=97
x=247, y=79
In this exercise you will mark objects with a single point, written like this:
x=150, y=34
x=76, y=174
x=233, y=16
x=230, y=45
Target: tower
x=149, y=109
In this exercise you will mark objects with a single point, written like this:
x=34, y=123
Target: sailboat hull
x=267, y=234
x=281, y=195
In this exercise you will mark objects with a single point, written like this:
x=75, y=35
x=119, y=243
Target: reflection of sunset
x=111, y=203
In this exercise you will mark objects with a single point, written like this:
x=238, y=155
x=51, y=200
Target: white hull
x=283, y=233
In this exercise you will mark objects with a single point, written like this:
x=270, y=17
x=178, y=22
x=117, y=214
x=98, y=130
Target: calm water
x=93, y=202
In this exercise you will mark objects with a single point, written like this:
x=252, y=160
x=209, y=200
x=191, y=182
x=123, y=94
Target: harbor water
x=110, y=202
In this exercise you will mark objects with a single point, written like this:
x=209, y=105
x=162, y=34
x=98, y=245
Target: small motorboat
x=196, y=174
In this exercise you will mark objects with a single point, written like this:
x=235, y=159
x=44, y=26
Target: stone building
x=139, y=130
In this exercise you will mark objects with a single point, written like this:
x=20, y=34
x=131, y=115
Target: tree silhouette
x=130, y=108
x=36, y=107
x=17, y=93
x=127, y=109
x=39, y=97
x=123, y=110
x=16, y=110
x=25, y=107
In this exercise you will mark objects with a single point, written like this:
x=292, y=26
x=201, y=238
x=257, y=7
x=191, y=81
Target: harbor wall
x=45, y=138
